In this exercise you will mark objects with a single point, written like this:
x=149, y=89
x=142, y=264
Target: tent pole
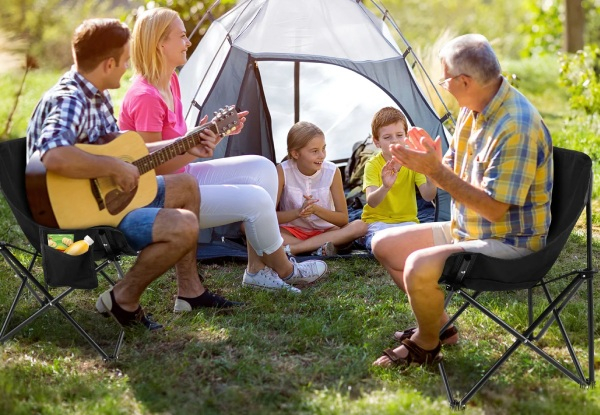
x=207, y=14
x=296, y=92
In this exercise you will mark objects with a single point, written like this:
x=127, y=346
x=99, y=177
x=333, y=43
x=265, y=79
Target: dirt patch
x=11, y=62
x=11, y=54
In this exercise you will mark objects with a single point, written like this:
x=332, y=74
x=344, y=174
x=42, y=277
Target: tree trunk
x=574, y=24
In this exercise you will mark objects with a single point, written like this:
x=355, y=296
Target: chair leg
x=48, y=301
x=92, y=342
x=458, y=312
x=526, y=338
x=589, y=277
x=21, y=273
x=590, y=322
x=11, y=311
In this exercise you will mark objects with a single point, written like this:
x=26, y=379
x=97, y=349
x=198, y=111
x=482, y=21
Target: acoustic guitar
x=63, y=202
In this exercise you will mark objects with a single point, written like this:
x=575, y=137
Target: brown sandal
x=416, y=355
x=400, y=336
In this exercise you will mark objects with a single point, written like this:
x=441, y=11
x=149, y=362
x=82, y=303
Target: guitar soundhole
x=117, y=201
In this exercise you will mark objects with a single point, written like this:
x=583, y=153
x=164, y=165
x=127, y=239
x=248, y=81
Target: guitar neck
x=176, y=148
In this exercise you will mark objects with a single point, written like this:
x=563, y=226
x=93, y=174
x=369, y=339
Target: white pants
x=242, y=188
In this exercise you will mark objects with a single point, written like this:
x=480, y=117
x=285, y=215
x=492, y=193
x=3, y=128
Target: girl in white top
x=312, y=209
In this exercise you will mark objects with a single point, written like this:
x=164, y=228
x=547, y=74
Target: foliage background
x=520, y=27
x=526, y=34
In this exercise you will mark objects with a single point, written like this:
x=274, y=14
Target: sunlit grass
x=280, y=353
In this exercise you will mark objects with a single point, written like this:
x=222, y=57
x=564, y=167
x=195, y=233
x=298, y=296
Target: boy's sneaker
x=267, y=278
x=306, y=272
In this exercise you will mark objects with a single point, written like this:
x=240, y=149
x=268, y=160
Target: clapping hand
x=419, y=152
x=389, y=173
x=308, y=206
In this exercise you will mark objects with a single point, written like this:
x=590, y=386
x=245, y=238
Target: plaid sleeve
x=62, y=123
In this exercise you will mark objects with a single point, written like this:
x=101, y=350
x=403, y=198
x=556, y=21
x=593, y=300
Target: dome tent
x=331, y=62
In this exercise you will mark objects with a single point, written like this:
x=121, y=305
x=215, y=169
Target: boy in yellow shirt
x=390, y=187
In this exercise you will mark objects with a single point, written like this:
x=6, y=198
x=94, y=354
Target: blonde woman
x=232, y=189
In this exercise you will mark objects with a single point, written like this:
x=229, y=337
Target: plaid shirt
x=72, y=111
x=506, y=150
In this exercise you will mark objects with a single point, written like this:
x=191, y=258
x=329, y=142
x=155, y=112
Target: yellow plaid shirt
x=506, y=150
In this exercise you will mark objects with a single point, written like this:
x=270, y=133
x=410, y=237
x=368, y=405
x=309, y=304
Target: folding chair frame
x=550, y=315
x=47, y=300
x=110, y=245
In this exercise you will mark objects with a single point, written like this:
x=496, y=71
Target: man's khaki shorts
x=490, y=247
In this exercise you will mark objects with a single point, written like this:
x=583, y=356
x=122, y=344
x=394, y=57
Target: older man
x=498, y=170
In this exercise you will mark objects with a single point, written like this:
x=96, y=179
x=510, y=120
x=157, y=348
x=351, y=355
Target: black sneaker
x=206, y=300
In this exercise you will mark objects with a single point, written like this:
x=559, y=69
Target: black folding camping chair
x=60, y=269
x=469, y=275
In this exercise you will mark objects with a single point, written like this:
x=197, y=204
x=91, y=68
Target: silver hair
x=471, y=55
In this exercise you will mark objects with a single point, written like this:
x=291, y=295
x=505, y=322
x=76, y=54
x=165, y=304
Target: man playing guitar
x=78, y=110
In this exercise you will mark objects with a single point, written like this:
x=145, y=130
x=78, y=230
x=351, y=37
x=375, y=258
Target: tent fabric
x=331, y=62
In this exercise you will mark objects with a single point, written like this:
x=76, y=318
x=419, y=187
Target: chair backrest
x=570, y=194
x=571, y=191
x=13, y=160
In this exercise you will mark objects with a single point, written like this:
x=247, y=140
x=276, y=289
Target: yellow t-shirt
x=400, y=204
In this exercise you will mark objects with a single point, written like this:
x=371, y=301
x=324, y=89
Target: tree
x=45, y=27
x=574, y=26
x=191, y=13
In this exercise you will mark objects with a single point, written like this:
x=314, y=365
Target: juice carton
x=60, y=241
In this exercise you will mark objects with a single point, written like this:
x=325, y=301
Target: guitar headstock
x=225, y=120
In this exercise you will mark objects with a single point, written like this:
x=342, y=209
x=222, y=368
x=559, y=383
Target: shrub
x=579, y=73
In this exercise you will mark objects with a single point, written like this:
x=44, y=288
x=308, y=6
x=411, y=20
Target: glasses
x=444, y=82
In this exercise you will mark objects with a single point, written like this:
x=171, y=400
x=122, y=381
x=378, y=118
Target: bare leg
x=278, y=261
x=175, y=234
x=337, y=236
x=416, y=268
x=392, y=247
x=182, y=192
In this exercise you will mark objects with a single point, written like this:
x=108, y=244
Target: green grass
x=280, y=354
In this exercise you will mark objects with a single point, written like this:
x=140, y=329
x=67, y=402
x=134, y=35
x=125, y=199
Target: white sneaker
x=267, y=278
x=306, y=272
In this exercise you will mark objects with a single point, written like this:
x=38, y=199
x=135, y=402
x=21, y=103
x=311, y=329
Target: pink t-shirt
x=143, y=109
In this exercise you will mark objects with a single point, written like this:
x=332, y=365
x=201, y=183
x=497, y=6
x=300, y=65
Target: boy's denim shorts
x=137, y=225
